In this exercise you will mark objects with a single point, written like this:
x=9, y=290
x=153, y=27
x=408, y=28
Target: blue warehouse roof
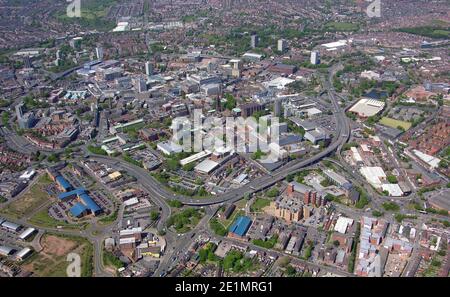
x=87, y=202
x=90, y=204
x=63, y=183
x=76, y=192
x=78, y=209
x=241, y=225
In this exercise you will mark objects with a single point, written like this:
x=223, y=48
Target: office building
x=236, y=67
x=315, y=58
x=277, y=107
x=99, y=53
x=249, y=109
x=141, y=85
x=19, y=110
x=254, y=41
x=282, y=45
x=148, y=68
x=27, y=121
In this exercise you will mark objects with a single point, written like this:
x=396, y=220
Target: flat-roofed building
x=206, y=167
x=195, y=157
x=365, y=108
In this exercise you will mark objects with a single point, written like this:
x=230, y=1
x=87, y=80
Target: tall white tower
x=315, y=58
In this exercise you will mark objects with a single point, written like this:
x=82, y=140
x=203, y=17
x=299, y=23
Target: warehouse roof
x=393, y=189
x=75, y=192
x=9, y=225
x=5, y=250
x=78, y=209
x=26, y=233
x=241, y=226
x=342, y=224
x=367, y=107
x=63, y=182
x=23, y=253
x=90, y=204
x=206, y=166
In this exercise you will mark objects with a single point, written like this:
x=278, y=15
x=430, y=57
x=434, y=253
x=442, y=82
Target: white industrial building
x=23, y=253
x=342, y=224
x=365, y=108
x=394, y=190
x=169, y=148
x=27, y=233
x=10, y=226
x=6, y=250
x=374, y=175
x=196, y=157
x=252, y=57
x=206, y=166
x=316, y=135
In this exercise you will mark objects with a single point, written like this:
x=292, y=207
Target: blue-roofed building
x=78, y=210
x=90, y=204
x=63, y=184
x=240, y=226
x=71, y=194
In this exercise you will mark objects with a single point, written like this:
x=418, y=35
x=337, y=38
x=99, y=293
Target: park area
x=259, y=205
x=52, y=260
x=35, y=197
x=395, y=123
x=341, y=26
x=185, y=220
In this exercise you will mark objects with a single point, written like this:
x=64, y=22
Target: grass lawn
x=259, y=204
x=395, y=123
x=43, y=219
x=227, y=223
x=35, y=197
x=52, y=260
x=338, y=26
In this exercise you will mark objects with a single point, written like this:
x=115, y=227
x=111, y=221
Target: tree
x=290, y=271
x=231, y=101
x=53, y=158
x=274, y=192
x=154, y=215
x=391, y=206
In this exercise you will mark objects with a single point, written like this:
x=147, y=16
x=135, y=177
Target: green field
x=259, y=204
x=395, y=123
x=93, y=15
x=338, y=26
x=32, y=199
x=438, y=31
